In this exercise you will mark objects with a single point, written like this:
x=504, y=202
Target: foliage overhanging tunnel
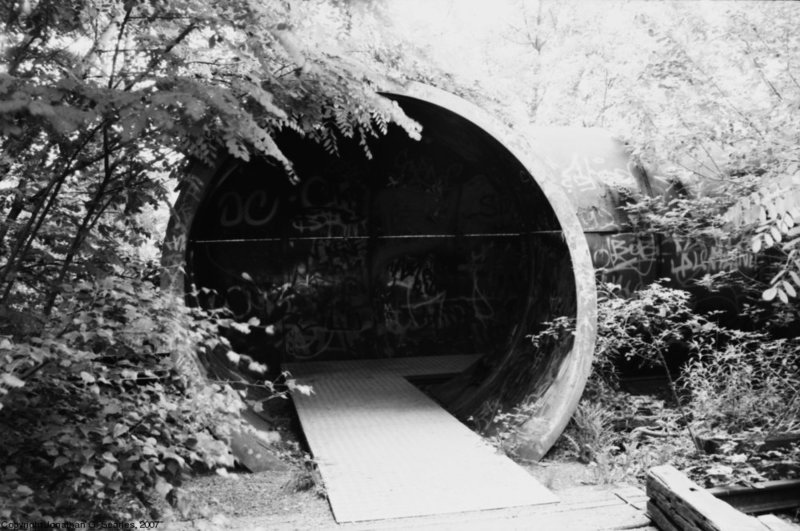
x=458, y=243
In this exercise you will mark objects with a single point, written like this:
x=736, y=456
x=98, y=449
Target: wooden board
x=674, y=522
x=678, y=502
x=386, y=450
x=584, y=508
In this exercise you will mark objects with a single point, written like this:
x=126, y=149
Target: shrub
x=650, y=327
x=751, y=383
x=98, y=419
x=728, y=380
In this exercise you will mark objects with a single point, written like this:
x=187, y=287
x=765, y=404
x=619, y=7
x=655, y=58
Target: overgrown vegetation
x=705, y=95
x=101, y=422
x=103, y=412
x=721, y=390
x=100, y=102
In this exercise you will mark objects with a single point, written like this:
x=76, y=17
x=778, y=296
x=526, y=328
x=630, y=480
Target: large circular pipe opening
x=447, y=245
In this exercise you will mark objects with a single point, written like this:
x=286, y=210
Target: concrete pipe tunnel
x=459, y=243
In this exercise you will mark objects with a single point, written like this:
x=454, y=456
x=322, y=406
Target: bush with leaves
x=730, y=377
x=727, y=381
x=751, y=384
x=645, y=329
x=98, y=421
x=100, y=102
x=648, y=327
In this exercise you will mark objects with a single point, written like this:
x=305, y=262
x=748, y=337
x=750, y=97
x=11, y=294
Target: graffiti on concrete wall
x=627, y=259
x=595, y=172
x=598, y=217
x=410, y=254
x=688, y=260
x=417, y=255
x=634, y=260
x=584, y=174
x=592, y=183
x=253, y=210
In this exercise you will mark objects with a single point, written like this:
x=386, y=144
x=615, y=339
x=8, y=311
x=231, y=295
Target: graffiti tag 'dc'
x=256, y=210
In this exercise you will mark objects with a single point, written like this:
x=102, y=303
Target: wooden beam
x=664, y=522
x=685, y=506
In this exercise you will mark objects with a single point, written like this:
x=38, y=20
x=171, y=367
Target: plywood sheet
x=386, y=450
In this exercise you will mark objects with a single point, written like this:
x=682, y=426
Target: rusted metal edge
x=762, y=497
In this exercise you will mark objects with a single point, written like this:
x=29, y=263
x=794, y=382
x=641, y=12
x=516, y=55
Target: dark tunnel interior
x=440, y=246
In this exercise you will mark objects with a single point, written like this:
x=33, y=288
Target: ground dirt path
x=271, y=501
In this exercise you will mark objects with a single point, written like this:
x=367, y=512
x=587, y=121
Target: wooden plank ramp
x=386, y=450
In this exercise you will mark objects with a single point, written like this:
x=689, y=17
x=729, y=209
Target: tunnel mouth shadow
x=443, y=246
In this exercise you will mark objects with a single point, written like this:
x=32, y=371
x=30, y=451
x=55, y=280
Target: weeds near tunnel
x=735, y=387
x=730, y=384
x=749, y=385
x=103, y=424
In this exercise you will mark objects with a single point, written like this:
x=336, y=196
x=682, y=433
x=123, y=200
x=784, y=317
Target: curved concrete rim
x=551, y=409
